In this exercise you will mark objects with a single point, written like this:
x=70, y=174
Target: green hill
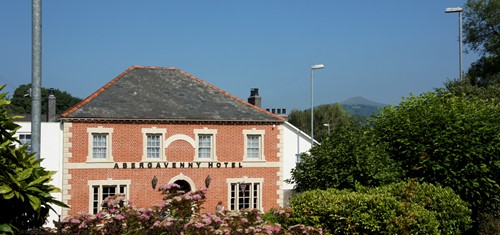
x=361, y=106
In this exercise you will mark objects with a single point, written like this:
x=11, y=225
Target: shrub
x=25, y=189
x=399, y=208
x=347, y=212
x=453, y=213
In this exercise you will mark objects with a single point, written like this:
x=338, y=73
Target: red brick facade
x=127, y=146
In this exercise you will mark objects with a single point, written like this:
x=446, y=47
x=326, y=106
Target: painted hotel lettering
x=164, y=165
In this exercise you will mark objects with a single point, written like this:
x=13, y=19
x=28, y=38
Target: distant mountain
x=361, y=100
x=361, y=106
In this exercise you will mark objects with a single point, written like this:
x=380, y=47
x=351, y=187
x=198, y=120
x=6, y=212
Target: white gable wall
x=51, y=152
x=296, y=142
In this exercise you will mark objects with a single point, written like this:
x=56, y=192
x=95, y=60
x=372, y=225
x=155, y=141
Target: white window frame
x=255, y=198
x=213, y=144
x=153, y=131
x=254, y=132
x=109, y=140
x=29, y=149
x=100, y=184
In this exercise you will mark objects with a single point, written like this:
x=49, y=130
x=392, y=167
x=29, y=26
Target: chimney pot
x=51, y=106
x=254, y=98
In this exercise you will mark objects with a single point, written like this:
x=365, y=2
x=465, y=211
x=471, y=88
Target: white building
x=51, y=140
x=295, y=142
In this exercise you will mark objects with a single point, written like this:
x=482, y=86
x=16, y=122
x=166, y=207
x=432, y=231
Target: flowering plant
x=178, y=214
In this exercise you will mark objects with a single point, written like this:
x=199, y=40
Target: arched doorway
x=185, y=186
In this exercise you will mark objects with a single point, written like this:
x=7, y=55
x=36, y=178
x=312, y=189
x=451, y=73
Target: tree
x=482, y=26
x=448, y=140
x=482, y=35
x=332, y=114
x=467, y=88
x=21, y=101
x=349, y=157
x=25, y=198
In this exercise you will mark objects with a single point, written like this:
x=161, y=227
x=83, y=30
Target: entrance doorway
x=184, y=185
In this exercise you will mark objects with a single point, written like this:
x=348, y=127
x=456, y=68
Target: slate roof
x=165, y=93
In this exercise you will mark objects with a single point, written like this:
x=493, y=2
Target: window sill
x=99, y=161
x=205, y=160
x=254, y=160
x=153, y=160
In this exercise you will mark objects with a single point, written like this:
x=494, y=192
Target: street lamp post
x=314, y=67
x=327, y=125
x=459, y=10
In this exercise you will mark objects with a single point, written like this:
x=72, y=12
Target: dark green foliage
x=21, y=103
x=467, y=88
x=25, y=198
x=482, y=35
x=361, y=110
x=485, y=71
x=402, y=208
x=349, y=157
x=332, y=114
x=448, y=140
x=482, y=26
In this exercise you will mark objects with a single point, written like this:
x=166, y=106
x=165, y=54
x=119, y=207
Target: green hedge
x=400, y=208
x=453, y=213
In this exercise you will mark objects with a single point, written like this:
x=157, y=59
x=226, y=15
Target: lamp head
x=318, y=66
x=453, y=9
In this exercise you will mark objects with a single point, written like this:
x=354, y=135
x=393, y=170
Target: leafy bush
x=25, y=198
x=452, y=212
x=352, y=156
x=279, y=216
x=399, y=208
x=449, y=140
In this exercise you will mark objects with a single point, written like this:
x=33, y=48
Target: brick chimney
x=254, y=98
x=51, y=106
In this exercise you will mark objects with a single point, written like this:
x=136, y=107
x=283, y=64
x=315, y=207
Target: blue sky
x=381, y=50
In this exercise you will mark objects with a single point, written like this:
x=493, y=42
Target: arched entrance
x=184, y=185
x=187, y=185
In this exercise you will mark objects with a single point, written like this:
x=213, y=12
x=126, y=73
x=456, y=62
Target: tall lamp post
x=459, y=10
x=314, y=67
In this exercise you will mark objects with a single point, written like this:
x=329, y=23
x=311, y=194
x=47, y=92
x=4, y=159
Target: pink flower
x=198, y=225
x=169, y=186
x=119, y=217
x=75, y=221
x=207, y=221
x=156, y=223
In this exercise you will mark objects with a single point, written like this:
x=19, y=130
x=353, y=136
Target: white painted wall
x=295, y=143
x=51, y=151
